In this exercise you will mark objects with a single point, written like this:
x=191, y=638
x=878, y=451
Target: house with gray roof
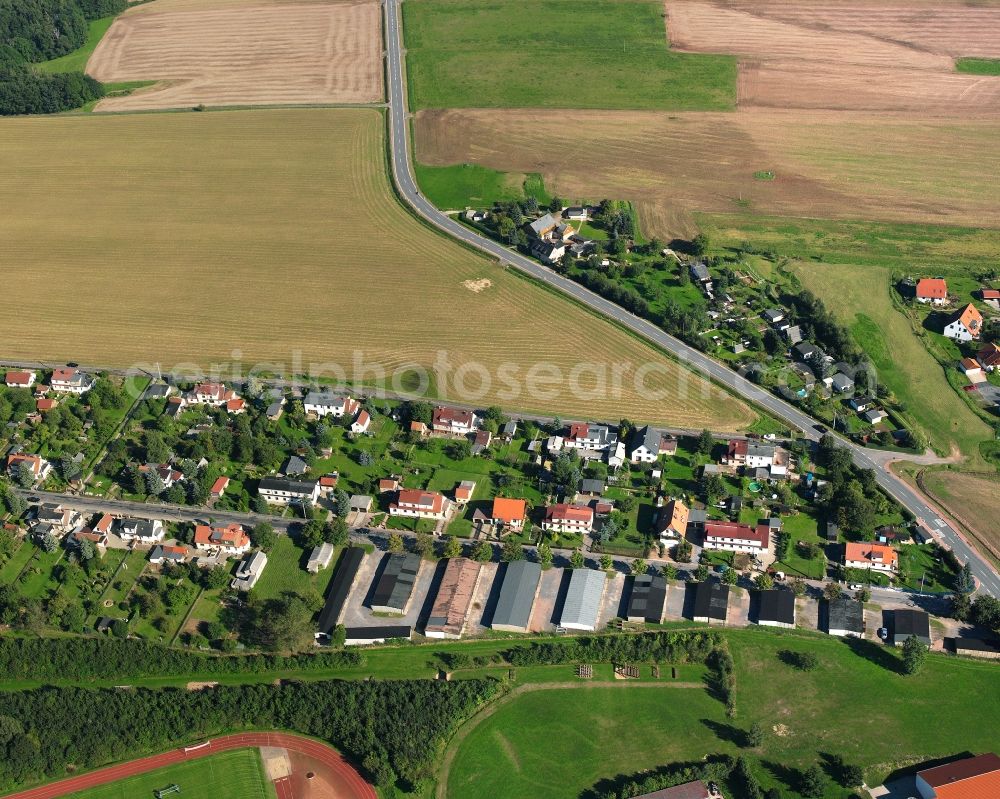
x=649, y=595
x=249, y=571
x=700, y=272
x=845, y=616
x=544, y=225
x=773, y=315
x=281, y=491
x=517, y=596
x=320, y=558
x=842, y=383
x=395, y=585
x=294, y=465
x=794, y=334
x=583, y=600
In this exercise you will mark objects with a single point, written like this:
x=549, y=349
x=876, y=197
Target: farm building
x=249, y=571
x=777, y=608
x=845, y=616
x=968, y=778
x=361, y=636
x=978, y=648
x=395, y=586
x=649, y=595
x=453, y=600
x=907, y=623
x=517, y=596
x=709, y=602
x=320, y=558
x=583, y=599
x=339, y=589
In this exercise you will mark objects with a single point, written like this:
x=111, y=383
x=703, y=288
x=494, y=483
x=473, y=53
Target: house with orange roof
x=167, y=474
x=509, y=513
x=965, y=325
x=465, y=490
x=40, y=468
x=44, y=404
x=672, y=521
x=20, y=379
x=70, y=381
x=969, y=778
x=867, y=555
x=219, y=487
x=231, y=540
x=565, y=518
x=932, y=290
x=237, y=405
x=215, y=394
x=362, y=422
x=416, y=503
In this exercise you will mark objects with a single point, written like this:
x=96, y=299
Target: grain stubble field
x=155, y=224
x=249, y=53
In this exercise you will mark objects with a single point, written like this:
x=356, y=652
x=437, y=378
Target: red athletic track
x=294, y=743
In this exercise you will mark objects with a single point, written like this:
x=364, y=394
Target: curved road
x=359, y=789
x=402, y=173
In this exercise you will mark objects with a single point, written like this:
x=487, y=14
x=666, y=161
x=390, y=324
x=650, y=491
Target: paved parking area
x=482, y=599
x=739, y=607
x=543, y=612
x=357, y=614
x=806, y=613
x=673, y=609
x=611, y=604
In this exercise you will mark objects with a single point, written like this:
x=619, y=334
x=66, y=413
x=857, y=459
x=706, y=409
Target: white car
x=856, y=586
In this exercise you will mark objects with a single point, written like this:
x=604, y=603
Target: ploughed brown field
x=243, y=52
x=848, y=55
x=826, y=164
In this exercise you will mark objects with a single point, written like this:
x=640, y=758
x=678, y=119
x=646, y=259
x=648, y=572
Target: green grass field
x=231, y=775
x=77, y=60
x=285, y=571
x=559, y=743
x=471, y=186
x=978, y=66
x=557, y=54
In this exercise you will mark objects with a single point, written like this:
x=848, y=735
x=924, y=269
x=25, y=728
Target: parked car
x=856, y=586
x=883, y=633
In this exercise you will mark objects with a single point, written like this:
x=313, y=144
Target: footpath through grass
x=238, y=774
x=557, y=54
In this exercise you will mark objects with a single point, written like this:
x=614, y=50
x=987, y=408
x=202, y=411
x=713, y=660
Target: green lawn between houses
x=285, y=571
x=559, y=743
x=238, y=774
x=557, y=54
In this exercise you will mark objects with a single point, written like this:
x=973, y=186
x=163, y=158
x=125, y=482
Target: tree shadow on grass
x=727, y=732
x=790, y=777
x=878, y=654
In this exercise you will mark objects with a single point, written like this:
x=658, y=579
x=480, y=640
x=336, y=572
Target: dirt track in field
x=243, y=53
x=848, y=56
x=827, y=164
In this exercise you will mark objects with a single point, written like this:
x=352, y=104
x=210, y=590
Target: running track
x=294, y=743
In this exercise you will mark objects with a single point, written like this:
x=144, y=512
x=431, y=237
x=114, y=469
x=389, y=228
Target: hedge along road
x=402, y=173
x=351, y=782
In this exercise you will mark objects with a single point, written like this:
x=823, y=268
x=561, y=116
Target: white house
x=565, y=518
x=212, y=394
x=145, y=531
x=71, y=381
x=20, y=379
x=167, y=474
x=454, y=421
x=965, y=325
x=282, y=491
x=648, y=444
x=231, y=540
x=933, y=290
x=583, y=436
x=865, y=555
x=418, y=504
x=734, y=537
x=249, y=571
x=361, y=423
x=40, y=468
x=323, y=403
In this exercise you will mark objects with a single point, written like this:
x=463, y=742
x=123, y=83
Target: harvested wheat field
x=972, y=499
x=221, y=52
x=178, y=238
x=827, y=164
x=851, y=55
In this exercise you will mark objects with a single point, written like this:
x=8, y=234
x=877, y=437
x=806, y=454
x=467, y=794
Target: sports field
x=238, y=774
x=222, y=52
x=274, y=235
x=559, y=743
x=557, y=54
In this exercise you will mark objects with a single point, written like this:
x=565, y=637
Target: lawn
x=77, y=60
x=16, y=562
x=285, y=571
x=978, y=66
x=316, y=189
x=472, y=186
x=919, y=570
x=559, y=743
x=238, y=774
x=557, y=54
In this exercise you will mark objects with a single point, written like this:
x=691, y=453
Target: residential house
x=736, y=537
x=776, y=608
x=419, y=504
x=578, y=213
x=20, y=379
x=362, y=422
x=910, y=624
x=327, y=483
x=419, y=428
x=861, y=404
x=56, y=517
x=841, y=383
x=293, y=466
x=989, y=356
x=750, y=454
x=585, y=436
x=672, y=522
x=230, y=540
x=39, y=467
x=875, y=416
x=648, y=444
x=965, y=325
x=219, y=487
x=543, y=226
x=808, y=353
x=248, y=571
x=509, y=431
x=699, y=273
x=773, y=315
x=283, y=491
x=165, y=553
x=167, y=474
x=548, y=251
x=320, y=557
x=143, y=531
x=509, y=513
x=465, y=490
x=454, y=421
x=325, y=403
x=71, y=381
x=45, y=404
x=933, y=290
x=564, y=518
x=969, y=778
x=481, y=441
x=215, y=394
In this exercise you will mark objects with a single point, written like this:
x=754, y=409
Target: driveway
x=357, y=614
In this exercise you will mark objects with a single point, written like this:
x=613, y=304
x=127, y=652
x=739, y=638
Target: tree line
x=657, y=647
x=392, y=729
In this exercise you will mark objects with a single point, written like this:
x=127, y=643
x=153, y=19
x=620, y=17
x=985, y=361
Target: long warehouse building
x=339, y=590
x=517, y=597
x=583, y=599
x=453, y=600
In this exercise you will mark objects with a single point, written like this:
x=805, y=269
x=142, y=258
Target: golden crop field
x=181, y=238
x=971, y=498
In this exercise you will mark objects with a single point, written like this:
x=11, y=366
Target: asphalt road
x=406, y=185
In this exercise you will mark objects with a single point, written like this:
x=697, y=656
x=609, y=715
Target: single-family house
x=325, y=403
x=56, y=517
x=465, y=490
x=419, y=428
x=584, y=436
x=167, y=474
x=70, y=381
x=910, y=624
x=419, y=504
x=861, y=404
x=167, y=553
x=219, y=487
x=989, y=356
x=283, y=491
x=20, y=379
x=672, y=521
x=362, y=423
x=481, y=441
x=454, y=421
x=248, y=571
x=143, y=531
x=776, y=608
x=548, y=251
x=932, y=290
x=648, y=444
x=965, y=325
x=509, y=430
x=841, y=383
x=509, y=513
x=45, y=404
x=736, y=537
x=215, y=394
x=565, y=518
x=806, y=352
x=699, y=273
x=387, y=484
x=76, y=538
x=230, y=540
x=39, y=467
x=320, y=557
x=969, y=778
x=875, y=416
x=866, y=555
